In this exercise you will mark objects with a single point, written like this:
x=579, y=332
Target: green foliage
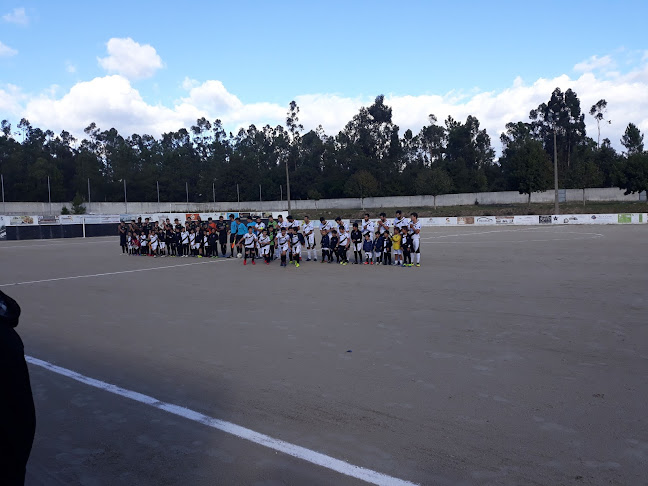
x=77, y=205
x=65, y=210
x=370, y=156
x=635, y=173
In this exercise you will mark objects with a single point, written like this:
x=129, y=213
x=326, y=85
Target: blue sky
x=245, y=62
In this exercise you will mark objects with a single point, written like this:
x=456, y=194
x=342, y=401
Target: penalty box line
x=104, y=274
x=319, y=459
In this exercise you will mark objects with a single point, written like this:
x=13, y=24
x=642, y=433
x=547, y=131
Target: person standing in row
x=272, y=234
x=309, y=238
x=367, y=227
x=249, y=242
x=343, y=245
x=415, y=228
x=356, y=243
x=283, y=245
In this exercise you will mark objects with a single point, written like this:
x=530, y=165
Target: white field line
x=103, y=274
x=55, y=243
x=311, y=456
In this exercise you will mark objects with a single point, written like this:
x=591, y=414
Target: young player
x=213, y=242
x=356, y=243
x=379, y=244
x=415, y=228
x=264, y=246
x=343, y=245
x=129, y=242
x=309, y=239
x=387, y=260
x=367, y=246
x=193, y=247
x=249, y=242
x=272, y=234
x=153, y=244
x=221, y=230
x=324, y=244
x=295, y=246
x=396, y=242
x=185, y=242
x=325, y=227
x=143, y=243
x=406, y=246
x=122, y=230
x=334, y=247
x=283, y=245
x=240, y=232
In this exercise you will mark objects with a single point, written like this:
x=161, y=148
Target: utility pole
x=89, y=194
x=556, y=205
x=157, y=185
x=125, y=197
x=49, y=194
x=187, y=189
x=287, y=183
x=4, y=205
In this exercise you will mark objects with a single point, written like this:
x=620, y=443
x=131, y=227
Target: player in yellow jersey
x=396, y=245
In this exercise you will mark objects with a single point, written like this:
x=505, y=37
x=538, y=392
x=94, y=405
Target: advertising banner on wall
x=484, y=220
x=466, y=220
x=528, y=220
x=504, y=220
x=21, y=220
x=546, y=219
x=3, y=227
x=48, y=219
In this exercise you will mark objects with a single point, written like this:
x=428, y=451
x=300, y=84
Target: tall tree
x=598, y=111
x=632, y=140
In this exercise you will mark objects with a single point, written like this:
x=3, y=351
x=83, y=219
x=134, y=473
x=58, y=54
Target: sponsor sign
x=20, y=220
x=3, y=227
x=546, y=219
x=466, y=220
x=443, y=221
x=100, y=218
x=603, y=218
x=50, y=219
x=484, y=219
x=625, y=218
x=528, y=220
x=504, y=220
x=192, y=216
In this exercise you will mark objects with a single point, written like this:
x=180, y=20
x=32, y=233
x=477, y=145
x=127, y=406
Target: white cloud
x=6, y=51
x=70, y=68
x=112, y=101
x=17, y=16
x=594, y=63
x=130, y=59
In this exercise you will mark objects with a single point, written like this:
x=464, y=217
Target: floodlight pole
x=49, y=194
x=157, y=185
x=556, y=204
x=125, y=197
x=88, y=193
x=4, y=205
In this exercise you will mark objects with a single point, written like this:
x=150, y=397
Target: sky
x=153, y=67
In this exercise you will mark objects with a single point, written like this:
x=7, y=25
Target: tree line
x=369, y=157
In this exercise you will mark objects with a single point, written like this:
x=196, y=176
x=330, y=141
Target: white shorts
x=310, y=241
x=154, y=246
x=368, y=254
x=162, y=245
x=283, y=248
x=264, y=250
x=296, y=249
x=416, y=244
x=357, y=247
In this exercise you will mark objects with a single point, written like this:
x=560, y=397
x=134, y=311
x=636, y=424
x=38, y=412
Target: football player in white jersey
x=367, y=227
x=339, y=223
x=249, y=243
x=309, y=237
x=264, y=246
x=383, y=223
x=295, y=246
x=283, y=245
x=399, y=221
x=343, y=245
x=415, y=230
x=325, y=227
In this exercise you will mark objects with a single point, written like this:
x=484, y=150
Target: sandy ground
x=512, y=356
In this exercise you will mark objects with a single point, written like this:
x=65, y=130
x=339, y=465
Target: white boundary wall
x=505, y=197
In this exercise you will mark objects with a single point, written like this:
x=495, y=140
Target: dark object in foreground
x=17, y=414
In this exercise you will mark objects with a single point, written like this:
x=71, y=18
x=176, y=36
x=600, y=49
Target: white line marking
x=9, y=247
x=299, y=452
x=103, y=274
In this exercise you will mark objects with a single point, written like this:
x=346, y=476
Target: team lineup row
x=371, y=242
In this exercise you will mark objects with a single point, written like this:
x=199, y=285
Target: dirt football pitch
x=512, y=356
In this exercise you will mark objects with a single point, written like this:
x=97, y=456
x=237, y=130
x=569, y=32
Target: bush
x=65, y=210
x=77, y=205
